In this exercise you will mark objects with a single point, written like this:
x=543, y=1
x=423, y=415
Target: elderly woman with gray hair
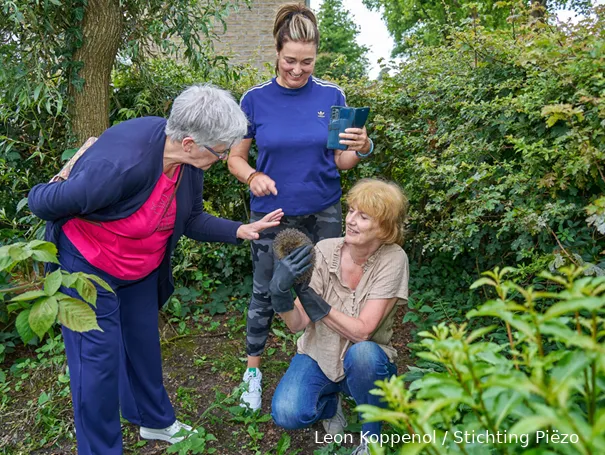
x=119, y=215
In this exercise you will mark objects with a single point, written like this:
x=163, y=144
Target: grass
x=204, y=361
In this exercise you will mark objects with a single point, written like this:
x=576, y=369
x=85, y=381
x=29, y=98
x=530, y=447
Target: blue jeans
x=305, y=395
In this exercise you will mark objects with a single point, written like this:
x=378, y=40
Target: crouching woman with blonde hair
x=347, y=312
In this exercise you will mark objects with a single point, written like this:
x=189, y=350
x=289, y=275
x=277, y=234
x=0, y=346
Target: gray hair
x=209, y=115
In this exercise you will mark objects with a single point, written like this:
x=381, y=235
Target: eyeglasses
x=220, y=155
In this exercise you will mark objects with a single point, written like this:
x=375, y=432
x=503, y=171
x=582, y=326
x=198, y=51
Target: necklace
x=354, y=261
x=357, y=263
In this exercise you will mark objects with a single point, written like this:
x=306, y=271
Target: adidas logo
x=321, y=114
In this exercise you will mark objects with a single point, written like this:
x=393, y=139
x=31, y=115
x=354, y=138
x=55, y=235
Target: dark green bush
x=498, y=140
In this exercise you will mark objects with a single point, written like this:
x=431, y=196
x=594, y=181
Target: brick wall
x=249, y=37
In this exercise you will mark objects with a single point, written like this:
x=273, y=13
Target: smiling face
x=361, y=229
x=295, y=63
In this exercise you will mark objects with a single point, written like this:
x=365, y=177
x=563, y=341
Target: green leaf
x=44, y=252
x=29, y=295
x=18, y=252
x=483, y=281
x=22, y=203
x=42, y=315
x=69, y=279
x=77, y=315
x=68, y=154
x=37, y=91
x=568, y=372
x=413, y=448
x=100, y=282
x=557, y=330
x=5, y=261
x=284, y=443
x=52, y=282
x=87, y=290
x=23, y=328
x=264, y=418
x=35, y=244
x=571, y=306
x=479, y=333
x=531, y=424
x=410, y=316
x=599, y=425
x=279, y=333
x=43, y=398
x=59, y=105
x=12, y=307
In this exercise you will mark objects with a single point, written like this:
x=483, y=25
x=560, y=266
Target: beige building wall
x=249, y=36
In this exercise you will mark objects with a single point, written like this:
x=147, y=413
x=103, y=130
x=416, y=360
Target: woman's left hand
x=355, y=139
x=251, y=231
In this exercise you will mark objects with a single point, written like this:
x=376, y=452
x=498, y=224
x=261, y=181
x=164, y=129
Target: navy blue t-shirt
x=290, y=127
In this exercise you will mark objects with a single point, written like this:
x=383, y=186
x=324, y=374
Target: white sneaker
x=166, y=434
x=336, y=425
x=361, y=449
x=251, y=398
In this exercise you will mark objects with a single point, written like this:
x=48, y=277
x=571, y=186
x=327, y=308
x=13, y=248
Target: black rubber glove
x=284, y=274
x=315, y=306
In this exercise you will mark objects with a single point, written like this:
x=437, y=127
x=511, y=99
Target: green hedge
x=497, y=139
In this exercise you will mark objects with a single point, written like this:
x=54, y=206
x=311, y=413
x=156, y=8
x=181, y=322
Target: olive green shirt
x=385, y=276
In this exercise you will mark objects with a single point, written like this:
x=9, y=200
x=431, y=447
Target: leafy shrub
x=546, y=381
x=498, y=140
x=36, y=298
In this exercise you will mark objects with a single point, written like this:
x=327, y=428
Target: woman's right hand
x=263, y=185
x=285, y=273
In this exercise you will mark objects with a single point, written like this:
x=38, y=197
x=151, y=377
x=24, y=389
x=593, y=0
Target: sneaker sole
x=160, y=437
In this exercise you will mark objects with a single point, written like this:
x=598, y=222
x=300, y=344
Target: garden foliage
x=36, y=298
x=498, y=139
x=541, y=392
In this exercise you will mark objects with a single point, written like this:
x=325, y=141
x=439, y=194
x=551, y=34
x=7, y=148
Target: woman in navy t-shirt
x=295, y=171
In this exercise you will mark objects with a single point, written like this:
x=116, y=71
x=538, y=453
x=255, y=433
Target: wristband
x=365, y=155
x=251, y=177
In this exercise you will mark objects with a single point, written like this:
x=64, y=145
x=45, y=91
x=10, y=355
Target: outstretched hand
x=251, y=231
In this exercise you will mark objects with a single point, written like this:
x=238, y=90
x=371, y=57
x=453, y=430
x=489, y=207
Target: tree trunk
x=102, y=28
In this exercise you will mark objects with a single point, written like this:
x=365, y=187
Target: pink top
x=133, y=247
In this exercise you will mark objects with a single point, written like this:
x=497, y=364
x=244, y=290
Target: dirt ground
x=201, y=370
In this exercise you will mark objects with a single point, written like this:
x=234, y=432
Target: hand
x=315, y=306
x=356, y=139
x=285, y=273
x=287, y=270
x=263, y=185
x=251, y=231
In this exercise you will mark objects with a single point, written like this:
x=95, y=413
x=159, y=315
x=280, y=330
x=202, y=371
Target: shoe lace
x=254, y=383
x=175, y=427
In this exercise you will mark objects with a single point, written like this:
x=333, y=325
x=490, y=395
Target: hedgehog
x=287, y=241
